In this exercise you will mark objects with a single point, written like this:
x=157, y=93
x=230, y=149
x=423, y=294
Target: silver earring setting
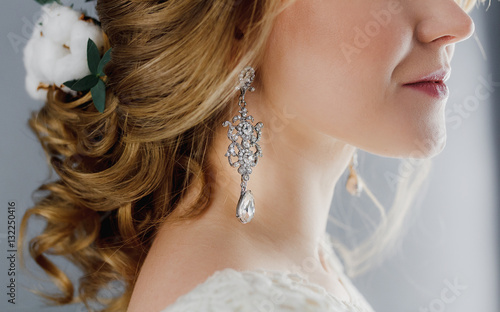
x=247, y=150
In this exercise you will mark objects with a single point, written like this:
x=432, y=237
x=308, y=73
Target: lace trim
x=297, y=281
x=263, y=279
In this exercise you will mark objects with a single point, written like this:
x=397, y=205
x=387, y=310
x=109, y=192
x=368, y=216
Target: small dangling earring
x=353, y=186
x=249, y=134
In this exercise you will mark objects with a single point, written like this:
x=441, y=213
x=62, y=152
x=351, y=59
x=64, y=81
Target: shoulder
x=256, y=290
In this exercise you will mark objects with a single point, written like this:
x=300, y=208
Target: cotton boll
x=57, y=49
x=58, y=21
x=95, y=33
x=70, y=67
x=29, y=55
x=31, y=84
x=32, y=57
x=48, y=54
x=81, y=33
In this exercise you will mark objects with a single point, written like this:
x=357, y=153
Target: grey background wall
x=454, y=239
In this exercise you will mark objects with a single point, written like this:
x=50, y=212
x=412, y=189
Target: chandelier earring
x=243, y=152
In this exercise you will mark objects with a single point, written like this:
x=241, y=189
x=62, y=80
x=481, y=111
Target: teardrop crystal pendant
x=243, y=152
x=245, y=209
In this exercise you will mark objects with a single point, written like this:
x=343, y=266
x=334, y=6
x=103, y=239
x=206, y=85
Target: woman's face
x=342, y=66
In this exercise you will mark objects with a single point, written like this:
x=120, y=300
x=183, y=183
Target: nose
x=443, y=21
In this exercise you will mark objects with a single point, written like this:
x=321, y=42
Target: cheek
x=307, y=66
x=354, y=97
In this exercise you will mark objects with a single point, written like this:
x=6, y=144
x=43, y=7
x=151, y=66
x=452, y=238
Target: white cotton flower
x=67, y=67
x=31, y=83
x=80, y=34
x=29, y=57
x=47, y=55
x=35, y=54
x=57, y=49
x=58, y=22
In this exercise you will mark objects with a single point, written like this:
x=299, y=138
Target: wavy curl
x=121, y=173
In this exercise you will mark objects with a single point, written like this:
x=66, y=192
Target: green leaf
x=99, y=95
x=83, y=84
x=70, y=83
x=93, y=56
x=105, y=59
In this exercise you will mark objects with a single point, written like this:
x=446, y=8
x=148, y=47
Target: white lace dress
x=262, y=290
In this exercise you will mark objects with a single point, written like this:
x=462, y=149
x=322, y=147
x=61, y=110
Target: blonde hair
x=122, y=172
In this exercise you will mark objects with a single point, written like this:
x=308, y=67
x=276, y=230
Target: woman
x=146, y=193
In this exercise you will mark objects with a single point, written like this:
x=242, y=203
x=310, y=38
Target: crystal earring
x=353, y=186
x=242, y=128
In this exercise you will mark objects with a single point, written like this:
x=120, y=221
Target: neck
x=293, y=185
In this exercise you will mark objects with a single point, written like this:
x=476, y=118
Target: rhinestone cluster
x=245, y=153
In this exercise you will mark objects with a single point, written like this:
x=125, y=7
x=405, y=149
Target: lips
x=432, y=84
x=440, y=75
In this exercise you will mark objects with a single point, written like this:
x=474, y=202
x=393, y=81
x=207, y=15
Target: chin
x=428, y=147
x=418, y=148
x=425, y=142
